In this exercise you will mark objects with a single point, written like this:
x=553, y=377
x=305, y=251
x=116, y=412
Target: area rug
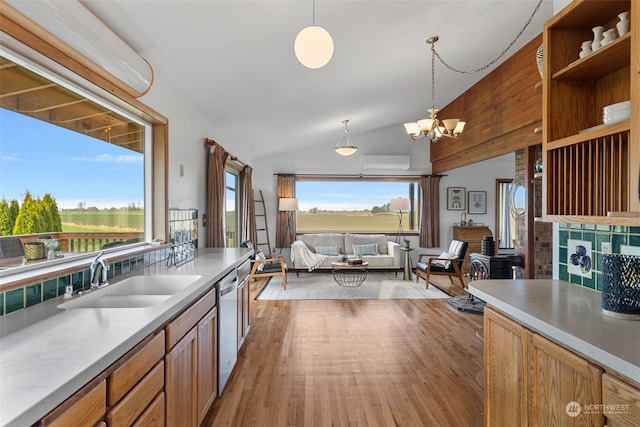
x=322, y=286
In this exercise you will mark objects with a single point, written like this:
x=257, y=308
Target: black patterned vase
x=621, y=286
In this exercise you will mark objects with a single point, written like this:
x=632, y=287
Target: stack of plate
x=615, y=113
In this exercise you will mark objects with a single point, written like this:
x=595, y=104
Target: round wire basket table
x=349, y=275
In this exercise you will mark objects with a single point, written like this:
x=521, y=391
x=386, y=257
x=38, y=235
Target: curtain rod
x=209, y=143
x=337, y=176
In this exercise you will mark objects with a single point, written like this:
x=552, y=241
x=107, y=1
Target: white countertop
x=47, y=354
x=570, y=315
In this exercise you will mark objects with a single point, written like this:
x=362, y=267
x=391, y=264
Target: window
x=62, y=143
x=232, y=210
x=360, y=205
x=505, y=224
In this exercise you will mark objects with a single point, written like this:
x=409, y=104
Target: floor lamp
x=400, y=205
x=288, y=205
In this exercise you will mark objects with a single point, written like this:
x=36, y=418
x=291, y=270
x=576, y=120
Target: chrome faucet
x=98, y=271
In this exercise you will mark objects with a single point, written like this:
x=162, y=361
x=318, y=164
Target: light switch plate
x=606, y=247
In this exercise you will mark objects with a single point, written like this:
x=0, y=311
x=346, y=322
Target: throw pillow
x=360, y=250
x=328, y=250
x=260, y=255
x=441, y=262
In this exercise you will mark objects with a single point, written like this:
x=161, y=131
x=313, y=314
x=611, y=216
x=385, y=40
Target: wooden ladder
x=262, y=227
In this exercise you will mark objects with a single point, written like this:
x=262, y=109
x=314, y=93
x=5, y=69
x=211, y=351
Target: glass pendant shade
x=450, y=124
x=348, y=148
x=314, y=47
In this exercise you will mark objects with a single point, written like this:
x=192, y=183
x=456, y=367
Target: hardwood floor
x=355, y=363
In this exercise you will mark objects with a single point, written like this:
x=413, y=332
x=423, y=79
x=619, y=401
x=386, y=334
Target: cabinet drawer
x=624, y=397
x=244, y=270
x=179, y=327
x=89, y=409
x=134, y=403
x=153, y=416
x=139, y=362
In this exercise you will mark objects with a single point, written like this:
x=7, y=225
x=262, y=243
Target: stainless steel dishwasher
x=227, y=327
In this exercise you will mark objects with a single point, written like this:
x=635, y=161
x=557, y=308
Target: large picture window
x=72, y=165
x=359, y=205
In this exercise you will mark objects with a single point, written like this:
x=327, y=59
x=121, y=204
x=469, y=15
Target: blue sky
x=72, y=167
x=348, y=195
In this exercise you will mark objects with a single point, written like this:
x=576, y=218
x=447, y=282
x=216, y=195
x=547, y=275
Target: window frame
x=26, y=39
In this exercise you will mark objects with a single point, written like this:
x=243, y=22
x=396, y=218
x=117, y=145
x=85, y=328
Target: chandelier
x=342, y=148
x=433, y=128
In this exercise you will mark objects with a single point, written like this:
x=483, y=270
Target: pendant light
x=313, y=46
x=341, y=148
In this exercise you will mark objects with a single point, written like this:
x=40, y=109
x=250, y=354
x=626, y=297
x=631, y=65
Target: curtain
x=430, y=215
x=286, y=188
x=248, y=209
x=215, y=196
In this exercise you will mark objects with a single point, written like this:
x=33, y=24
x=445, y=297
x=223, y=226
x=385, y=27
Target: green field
x=102, y=221
x=349, y=221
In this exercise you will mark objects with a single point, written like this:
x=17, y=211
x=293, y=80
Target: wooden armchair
x=266, y=267
x=448, y=263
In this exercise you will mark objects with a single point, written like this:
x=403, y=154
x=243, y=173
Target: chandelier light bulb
x=313, y=47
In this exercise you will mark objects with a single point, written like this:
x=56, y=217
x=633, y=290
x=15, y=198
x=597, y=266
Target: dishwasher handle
x=228, y=284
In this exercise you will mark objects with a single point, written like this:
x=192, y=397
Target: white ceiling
x=234, y=60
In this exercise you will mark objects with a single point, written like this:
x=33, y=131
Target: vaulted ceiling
x=234, y=60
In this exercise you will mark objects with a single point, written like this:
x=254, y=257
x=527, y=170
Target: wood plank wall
x=501, y=110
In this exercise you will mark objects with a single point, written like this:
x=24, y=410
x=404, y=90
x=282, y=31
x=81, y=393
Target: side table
x=407, y=263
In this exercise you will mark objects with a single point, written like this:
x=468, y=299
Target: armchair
x=266, y=267
x=448, y=263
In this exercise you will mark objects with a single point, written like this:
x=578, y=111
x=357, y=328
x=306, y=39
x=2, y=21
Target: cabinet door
x=181, y=382
x=243, y=311
x=207, y=363
x=558, y=378
x=505, y=376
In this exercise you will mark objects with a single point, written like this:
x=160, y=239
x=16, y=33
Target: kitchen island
x=47, y=354
x=548, y=345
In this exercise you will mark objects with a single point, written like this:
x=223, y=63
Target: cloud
x=108, y=158
x=9, y=158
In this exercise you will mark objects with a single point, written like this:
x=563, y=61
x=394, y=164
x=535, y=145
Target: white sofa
x=388, y=253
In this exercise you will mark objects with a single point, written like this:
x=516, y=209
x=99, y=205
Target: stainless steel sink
x=133, y=292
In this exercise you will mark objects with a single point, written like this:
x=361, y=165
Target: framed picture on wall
x=477, y=202
x=456, y=198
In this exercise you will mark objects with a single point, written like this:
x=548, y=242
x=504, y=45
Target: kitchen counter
x=47, y=354
x=571, y=316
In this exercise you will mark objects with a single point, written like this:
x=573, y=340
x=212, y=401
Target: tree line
x=33, y=216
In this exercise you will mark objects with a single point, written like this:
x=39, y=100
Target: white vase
x=586, y=49
x=597, y=37
x=623, y=25
x=608, y=37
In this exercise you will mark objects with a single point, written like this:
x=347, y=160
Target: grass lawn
x=350, y=221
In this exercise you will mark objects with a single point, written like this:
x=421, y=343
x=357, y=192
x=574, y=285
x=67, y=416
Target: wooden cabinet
x=85, y=408
x=622, y=401
x=530, y=380
x=472, y=235
x=558, y=377
x=191, y=369
x=136, y=381
x=207, y=362
x=243, y=302
x=505, y=373
x=591, y=170
x=181, y=382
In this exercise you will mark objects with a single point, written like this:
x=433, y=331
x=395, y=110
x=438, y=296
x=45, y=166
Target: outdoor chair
x=447, y=263
x=266, y=267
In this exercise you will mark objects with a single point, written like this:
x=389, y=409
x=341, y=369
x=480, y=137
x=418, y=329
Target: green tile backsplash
x=35, y=293
x=616, y=235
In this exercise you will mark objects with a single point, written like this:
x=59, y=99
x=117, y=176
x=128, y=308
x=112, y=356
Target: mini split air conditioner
x=386, y=162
